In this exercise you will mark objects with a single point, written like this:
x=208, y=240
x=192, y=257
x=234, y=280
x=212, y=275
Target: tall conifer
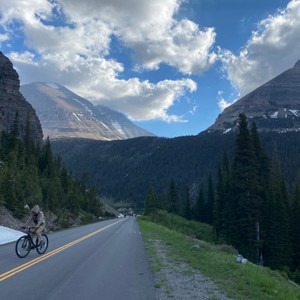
x=296, y=226
x=244, y=187
x=173, y=198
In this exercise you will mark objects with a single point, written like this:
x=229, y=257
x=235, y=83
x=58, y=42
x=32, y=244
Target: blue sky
x=171, y=66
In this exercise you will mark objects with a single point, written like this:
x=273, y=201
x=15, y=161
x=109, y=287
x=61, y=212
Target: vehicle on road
x=25, y=244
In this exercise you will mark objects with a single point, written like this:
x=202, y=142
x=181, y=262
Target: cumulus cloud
x=147, y=101
x=150, y=30
x=69, y=42
x=273, y=46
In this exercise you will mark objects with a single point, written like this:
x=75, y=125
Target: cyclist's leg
x=39, y=232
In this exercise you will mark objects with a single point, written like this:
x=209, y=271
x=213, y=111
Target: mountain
x=14, y=109
x=274, y=106
x=63, y=114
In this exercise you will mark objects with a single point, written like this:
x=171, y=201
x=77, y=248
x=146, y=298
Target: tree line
x=30, y=174
x=247, y=202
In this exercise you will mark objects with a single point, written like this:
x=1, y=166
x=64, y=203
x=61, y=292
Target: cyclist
x=38, y=219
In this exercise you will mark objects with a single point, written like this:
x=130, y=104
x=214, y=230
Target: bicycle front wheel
x=23, y=246
x=42, y=246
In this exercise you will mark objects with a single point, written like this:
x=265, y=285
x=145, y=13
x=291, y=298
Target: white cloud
x=149, y=29
x=145, y=100
x=273, y=46
x=3, y=38
x=69, y=42
x=183, y=46
x=222, y=103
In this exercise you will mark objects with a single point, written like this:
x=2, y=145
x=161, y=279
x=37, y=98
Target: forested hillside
x=30, y=174
x=125, y=170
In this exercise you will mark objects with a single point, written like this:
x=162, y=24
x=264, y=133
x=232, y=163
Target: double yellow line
x=31, y=263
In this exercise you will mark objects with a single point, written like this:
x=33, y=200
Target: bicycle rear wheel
x=23, y=246
x=43, y=245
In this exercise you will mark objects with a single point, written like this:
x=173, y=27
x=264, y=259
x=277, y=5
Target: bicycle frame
x=28, y=231
x=26, y=243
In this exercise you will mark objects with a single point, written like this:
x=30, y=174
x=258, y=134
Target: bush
x=193, y=229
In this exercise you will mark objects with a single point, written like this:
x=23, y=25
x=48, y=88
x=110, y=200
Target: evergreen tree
x=245, y=193
x=200, y=207
x=219, y=203
x=296, y=227
x=221, y=208
x=210, y=201
x=187, y=204
x=46, y=162
x=277, y=249
x=151, y=204
x=173, y=198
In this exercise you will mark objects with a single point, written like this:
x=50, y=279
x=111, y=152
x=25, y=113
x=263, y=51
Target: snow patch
x=53, y=85
x=274, y=115
x=295, y=112
x=85, y=107
x=227, y=130
x=8, y=235
x=76, y=117
x=118, y=127
x=104, y=125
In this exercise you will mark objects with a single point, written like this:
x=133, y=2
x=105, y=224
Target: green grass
x=235, y=280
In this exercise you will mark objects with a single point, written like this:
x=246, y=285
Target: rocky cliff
x=274, y=106
x=13, y=106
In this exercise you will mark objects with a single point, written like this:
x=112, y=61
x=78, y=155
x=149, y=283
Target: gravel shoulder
x=175, y=279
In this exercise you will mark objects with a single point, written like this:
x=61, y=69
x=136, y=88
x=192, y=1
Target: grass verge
x=242, y=282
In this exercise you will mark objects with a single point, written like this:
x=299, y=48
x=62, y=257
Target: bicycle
x=25, y=244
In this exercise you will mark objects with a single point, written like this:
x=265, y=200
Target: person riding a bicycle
x=38, y=219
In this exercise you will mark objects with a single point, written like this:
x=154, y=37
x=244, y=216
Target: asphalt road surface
x=106, y=261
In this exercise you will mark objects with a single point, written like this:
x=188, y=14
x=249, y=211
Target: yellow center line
x=31, y=263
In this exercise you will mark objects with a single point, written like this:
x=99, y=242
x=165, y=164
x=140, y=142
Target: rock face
x=274, y=106
x=13, y=106
x=64, y=114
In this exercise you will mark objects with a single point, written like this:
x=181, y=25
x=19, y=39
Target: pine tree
x=151, y=204
x=200, y=207
x=210, y=201
x=245, y=193
x=221, y=211
x=277, y=249
x=296, y=227
x=173, y=198
x=187, y=204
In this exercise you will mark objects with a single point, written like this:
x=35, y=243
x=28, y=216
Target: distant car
x=120, y=216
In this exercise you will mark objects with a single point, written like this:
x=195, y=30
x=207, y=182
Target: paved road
x=106, y=261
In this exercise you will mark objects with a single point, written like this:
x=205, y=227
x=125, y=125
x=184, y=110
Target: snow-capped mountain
x=63, y=114
x=274, y=106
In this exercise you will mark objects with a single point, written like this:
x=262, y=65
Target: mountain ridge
x=274, y=106
x=64, y=114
